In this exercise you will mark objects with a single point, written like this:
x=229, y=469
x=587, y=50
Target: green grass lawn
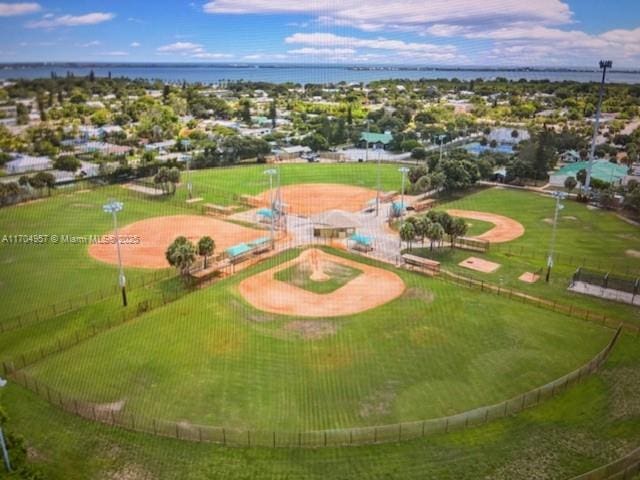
x=34, y=276
x=595, y=237
x=211, y=359
x=581, y=429
x=300, y=276
x=220, y=185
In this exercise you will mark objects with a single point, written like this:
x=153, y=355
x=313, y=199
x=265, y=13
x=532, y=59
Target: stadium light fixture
x=403, y=171
x=3, y=443
x=559, y=196
x=271, y=173
x=187, y=144
x=604, y=65
x=113, y=207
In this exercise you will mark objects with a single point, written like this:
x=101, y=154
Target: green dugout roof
x=602, y=170
x=383, y=138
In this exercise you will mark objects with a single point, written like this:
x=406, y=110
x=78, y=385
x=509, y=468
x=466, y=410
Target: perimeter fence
x=625, y=468
x=115, y=416
x=47, y=312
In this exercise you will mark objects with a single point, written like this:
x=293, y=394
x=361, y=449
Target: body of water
x=300, y=73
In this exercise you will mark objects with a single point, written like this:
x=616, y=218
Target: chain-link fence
x=570, y=310
x=57, y=345
x=340, y=437
x=610, y=280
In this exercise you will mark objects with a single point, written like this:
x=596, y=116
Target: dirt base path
x=157, y=233
x=311, y=198
x=505, y=230
x=373, y=288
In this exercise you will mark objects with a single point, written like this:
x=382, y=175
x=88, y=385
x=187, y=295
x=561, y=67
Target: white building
x=27, y=163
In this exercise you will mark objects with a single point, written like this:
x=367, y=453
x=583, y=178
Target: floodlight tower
x=113, y=208
x=271, y=173
x=559, y=196
x=604, y=65
x=187, y=144
x=403, y=171
x=3, y=443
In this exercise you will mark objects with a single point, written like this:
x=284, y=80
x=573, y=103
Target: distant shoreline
x=426, y=68
x=320, y=74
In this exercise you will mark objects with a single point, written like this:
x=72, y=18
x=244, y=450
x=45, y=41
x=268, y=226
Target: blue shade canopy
x=237, y=250
x=265, y=212
x=362, y=239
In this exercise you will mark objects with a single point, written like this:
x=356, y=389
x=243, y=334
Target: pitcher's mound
x=370, y=289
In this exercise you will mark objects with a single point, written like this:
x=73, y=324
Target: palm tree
x=173, y=178
x=181, y=254
x=206, y=246
x=407, y=233
x=422, y=227
x=435, y=233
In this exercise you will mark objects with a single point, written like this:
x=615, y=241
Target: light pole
x=559, y=196
x=271, y=173
x=3, y=443
x=403, y=171
x=441, y=138
x=366, y=143
x=113, y=208
x=378, y=187
x=604, y=65
x=187, y=144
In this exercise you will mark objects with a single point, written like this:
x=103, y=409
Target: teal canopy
x=362, y=239
x=237, y=250
x=265, y=212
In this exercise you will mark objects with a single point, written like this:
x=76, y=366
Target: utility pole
x=604, y=65
x=3, y=443
x=113, y=208
x=559, y=196
x=271, y=172
x=378, y=186
x=403, y=171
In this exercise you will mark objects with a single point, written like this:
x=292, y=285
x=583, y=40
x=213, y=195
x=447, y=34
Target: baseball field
x=313, y=338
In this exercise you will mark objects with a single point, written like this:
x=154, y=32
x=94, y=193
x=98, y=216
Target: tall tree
x=205, y=247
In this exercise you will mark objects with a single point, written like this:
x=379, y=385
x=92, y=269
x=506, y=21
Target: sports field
x=423, y=355
x=236, y=354
x=595, y=238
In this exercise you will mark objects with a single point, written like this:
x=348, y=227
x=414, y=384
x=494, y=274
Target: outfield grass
x=595, y=237
x=299, y=275
x=212, y=359
x=221, y=185
x=35, y=275
x=577, y=431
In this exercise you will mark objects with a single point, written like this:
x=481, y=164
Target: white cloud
x=328, y=52
x=71, y=20
x=332, y=40
x=181, y=47
x=211, y=55
x=405, y=14
x=93, y=43
x=14, y=9
x=134, y=45
x=116, y=53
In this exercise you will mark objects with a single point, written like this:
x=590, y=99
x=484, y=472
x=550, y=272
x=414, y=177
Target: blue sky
x=425, y=32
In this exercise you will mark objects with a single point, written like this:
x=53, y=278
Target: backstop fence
x=610, y=280
x=314, y=439
x=569, y=310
